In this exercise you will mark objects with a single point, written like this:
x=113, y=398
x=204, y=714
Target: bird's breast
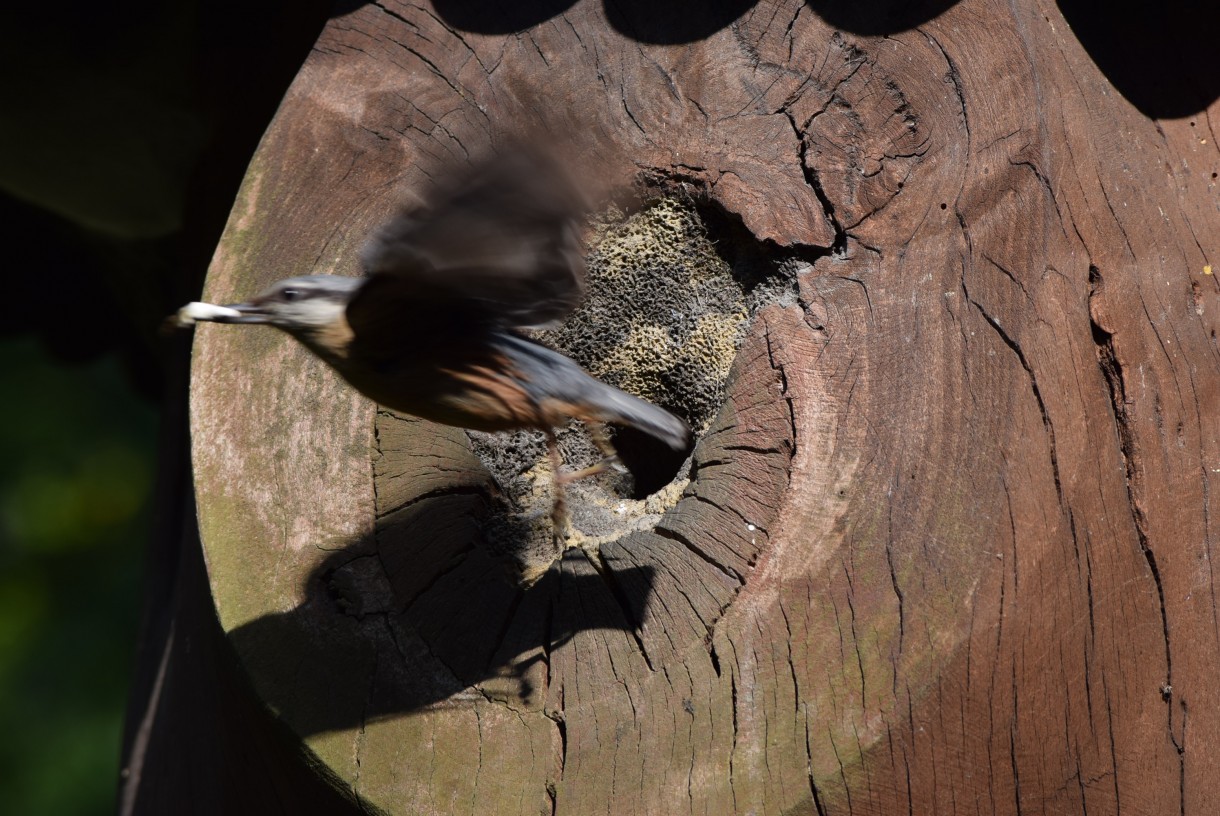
x=465, y=384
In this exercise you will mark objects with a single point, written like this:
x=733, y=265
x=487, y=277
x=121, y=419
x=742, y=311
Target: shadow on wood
x=680, y=21
x=1160, y=56
x=359, y=648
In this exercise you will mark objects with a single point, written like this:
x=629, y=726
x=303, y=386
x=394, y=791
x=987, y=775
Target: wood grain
x=948, y=544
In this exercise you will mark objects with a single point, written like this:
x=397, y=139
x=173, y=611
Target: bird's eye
x=290, y=295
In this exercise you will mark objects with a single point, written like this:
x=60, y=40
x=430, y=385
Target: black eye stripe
x=292, y=294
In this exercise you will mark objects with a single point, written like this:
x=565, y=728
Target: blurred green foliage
x=76, y=476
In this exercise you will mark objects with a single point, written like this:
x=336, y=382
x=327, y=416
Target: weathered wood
x=947, y=545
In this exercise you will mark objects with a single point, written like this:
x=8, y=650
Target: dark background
x=124, y=132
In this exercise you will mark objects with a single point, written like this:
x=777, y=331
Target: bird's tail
x=552, y=376
x=609, y=404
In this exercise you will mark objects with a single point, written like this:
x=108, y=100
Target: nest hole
x=673, y=282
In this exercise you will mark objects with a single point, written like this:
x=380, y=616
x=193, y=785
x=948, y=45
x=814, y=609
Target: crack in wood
x=855, y=636
x=838, y=246
x=813, y=785
x=1016, y=349
x=620, y=597
x=724, y=569
x=902, y=618
x=1012, y=743
x=954, y=76
x=1090, y=642
x=736, y=732
x=1112, y=373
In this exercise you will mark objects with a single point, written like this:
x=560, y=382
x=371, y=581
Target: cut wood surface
x=946, y=546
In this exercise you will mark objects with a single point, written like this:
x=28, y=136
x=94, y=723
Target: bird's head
x=297, y=305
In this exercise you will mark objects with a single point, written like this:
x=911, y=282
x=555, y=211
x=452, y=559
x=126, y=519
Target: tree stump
x=945, y=541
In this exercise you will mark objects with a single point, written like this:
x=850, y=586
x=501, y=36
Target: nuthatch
x=432, y=329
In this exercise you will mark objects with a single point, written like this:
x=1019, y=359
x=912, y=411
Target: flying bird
x=434, y=327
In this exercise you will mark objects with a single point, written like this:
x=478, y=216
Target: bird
x=436, y=325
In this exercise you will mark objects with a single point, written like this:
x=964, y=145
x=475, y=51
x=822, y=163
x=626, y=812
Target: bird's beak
x=193, y=313
x=243, y=313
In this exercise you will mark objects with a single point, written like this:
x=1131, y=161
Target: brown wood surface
x=947, y=548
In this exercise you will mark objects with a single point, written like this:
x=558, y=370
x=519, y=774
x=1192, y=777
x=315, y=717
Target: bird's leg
x=559, y=507
x=610, y=457
x=597, y=432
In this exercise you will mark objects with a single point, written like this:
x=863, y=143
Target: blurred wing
x=498, y=244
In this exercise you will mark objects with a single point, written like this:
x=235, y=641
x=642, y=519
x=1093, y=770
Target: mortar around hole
x=672, y=285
